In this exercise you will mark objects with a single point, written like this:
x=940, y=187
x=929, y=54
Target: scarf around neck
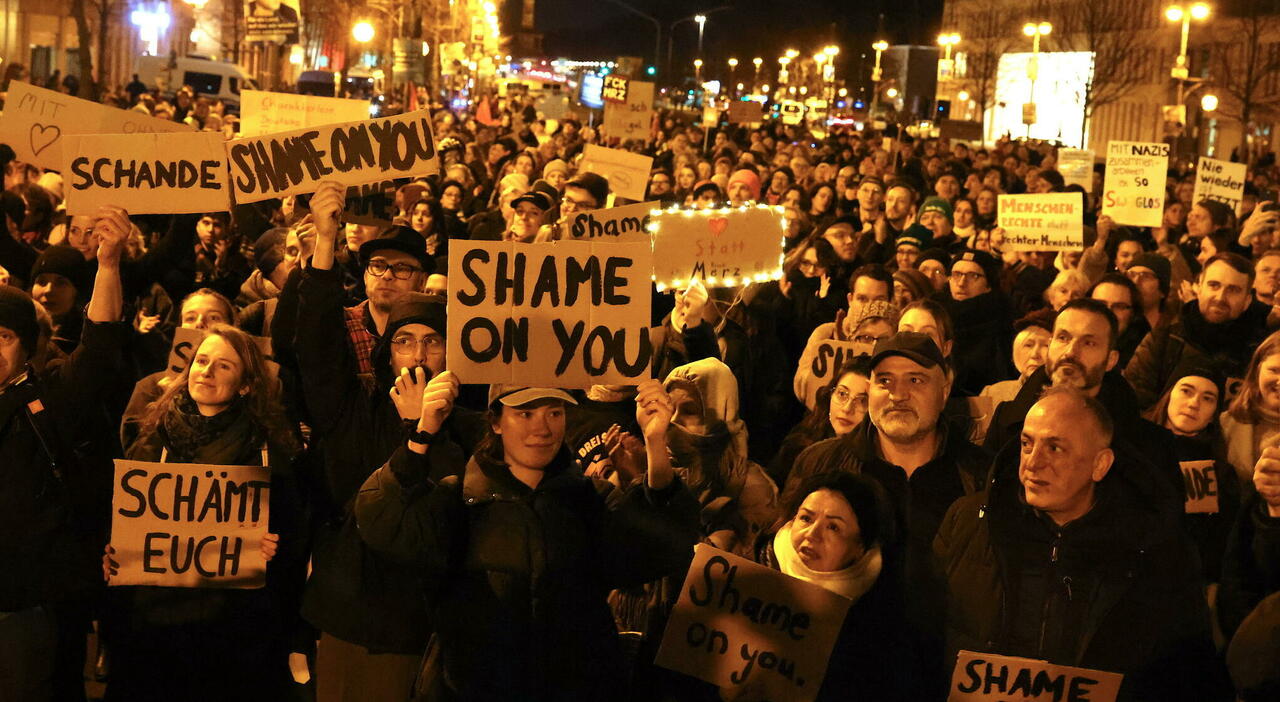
x=852, y=582
x=225, y=438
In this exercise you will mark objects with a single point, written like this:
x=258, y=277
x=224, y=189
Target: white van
x=212, y=79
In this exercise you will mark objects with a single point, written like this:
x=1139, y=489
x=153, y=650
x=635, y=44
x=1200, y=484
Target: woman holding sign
x=216, y=642
x=522, y=551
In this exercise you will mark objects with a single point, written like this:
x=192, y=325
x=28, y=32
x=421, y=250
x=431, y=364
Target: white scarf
x=852, y=582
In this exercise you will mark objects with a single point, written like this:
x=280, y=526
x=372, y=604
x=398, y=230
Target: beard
x=1072, y=373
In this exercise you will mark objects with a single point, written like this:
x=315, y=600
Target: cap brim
x=524, y=397
x=920, y=358
x=368, y=248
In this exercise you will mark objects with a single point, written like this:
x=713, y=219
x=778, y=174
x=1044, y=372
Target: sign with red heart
x=725, y=248
x=717, y=225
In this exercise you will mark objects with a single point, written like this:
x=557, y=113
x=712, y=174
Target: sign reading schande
x=146, y=173
x=725, y=247
x=1044, y=222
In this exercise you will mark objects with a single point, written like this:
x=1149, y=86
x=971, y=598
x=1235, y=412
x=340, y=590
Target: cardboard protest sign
x=633, y=119
x=745, y=112
x=615, y=89
x=1133, y=191
x=831, y=356
x=1076, y=167
x=725, y=247
x=627, y=173
x=189, y=525
x=263, y=112
x=1201, y=479
x=629, y=223
x=738, y=623
x=569, y=314
x=146, y=173
x=36, y=122
x=355, y=153
x=371, y=203
x=710, y=115
x=986, y=677
x=1222, y=181
x=1045, y=222
x=186, y=341
x=271, y=21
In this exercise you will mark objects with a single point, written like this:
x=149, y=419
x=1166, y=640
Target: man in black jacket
x=52, y=515
x=1065, y=559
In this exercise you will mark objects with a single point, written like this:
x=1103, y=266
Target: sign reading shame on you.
x=146, y=173
x=1047, y=222
x=569, y=314
x=986, y=677
x=738, y=624
x=291, y=163
x=725, y=247
x=1133, y=190
x=189, y=525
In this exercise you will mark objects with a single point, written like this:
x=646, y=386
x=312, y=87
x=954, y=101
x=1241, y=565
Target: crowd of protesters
x=999, y=469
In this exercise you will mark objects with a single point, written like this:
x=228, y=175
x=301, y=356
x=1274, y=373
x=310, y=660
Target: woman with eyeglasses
x=838, y=408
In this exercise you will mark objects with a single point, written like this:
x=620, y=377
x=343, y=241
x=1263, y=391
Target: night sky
x=600, y=29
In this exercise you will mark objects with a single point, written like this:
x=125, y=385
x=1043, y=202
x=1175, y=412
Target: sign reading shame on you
x=1048, y=222
x=291, y=163
x=189, y=525
x=986, y=677
x=570, y=314
x=725, y=248
x=738, y=624
x=147, y=173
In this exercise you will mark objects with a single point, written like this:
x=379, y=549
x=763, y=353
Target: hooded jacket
x=1116, y=590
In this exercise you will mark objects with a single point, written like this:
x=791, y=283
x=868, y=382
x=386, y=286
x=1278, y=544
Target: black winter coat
x=1251, y=566
x=984, y=341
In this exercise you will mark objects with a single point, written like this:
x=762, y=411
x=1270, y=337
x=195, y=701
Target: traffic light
x=651, y=70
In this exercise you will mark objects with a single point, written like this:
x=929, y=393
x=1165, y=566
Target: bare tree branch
x=1110, y=31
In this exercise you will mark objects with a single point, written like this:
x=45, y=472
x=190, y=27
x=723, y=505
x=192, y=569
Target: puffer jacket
x=518, y=576
x=1117, y=590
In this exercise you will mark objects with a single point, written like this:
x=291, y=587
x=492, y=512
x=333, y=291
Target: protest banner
x=725, y=247
x=1201, y=480
x=629, y=223
x=355, y=153
x=271, y=21
x=987, y=677
x=263, y=112
x=1221, y=181
x=627, y=173
x=1076, y=167
x=615, y=89
x=632, y=120
x=189, y=525
x=744, y=112
x=1043, y=222
x=831, y=356
x=740, y=624
x=568, y=314
x=186, y=341
x=1133, y=191
x=146, y=173
x=36, y=122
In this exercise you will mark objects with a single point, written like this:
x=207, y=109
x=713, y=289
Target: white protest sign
x=1222, y=181
x=1042, y=222
x=189, y=525
x=745, y=112
x=710, y=115
x=1201, y=480
x=186, y=341
x=629, y=223
x=725, y=247
x=1076, y=167
x=568, y=314
x=627, y=173
x=36, y=121
x=263, y=112
x=986, y=677
x=1133, y=191
x=146, y=173
x=740, y=624
x=831, y=356
x=292, y=163
x=632, y=120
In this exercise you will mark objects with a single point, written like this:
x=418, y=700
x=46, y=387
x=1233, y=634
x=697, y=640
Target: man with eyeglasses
x=1152, y=274
x=372, y=619
x=1119, y=293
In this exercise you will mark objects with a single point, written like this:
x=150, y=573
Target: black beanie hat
x=991, y=265
x=67, y=262
x=268, y=250
x=18, y=314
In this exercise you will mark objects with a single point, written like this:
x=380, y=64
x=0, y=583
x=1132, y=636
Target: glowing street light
x=880, y=47
x=758, y=62
x=1035, y=31
x=1209, y=102
x=891, y=93
x=1176, y=13
x=362, y=32
x=946, y=41
x=702, y=24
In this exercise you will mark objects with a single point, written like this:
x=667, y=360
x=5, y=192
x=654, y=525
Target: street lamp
x=1209, y=102
x=756, y=81
x=782, y=72
x=1176, y=13
x=946, y=41
x=880, y=47
x=733, y=68
x=702, y=23
x=1035, y=31
x=363, y=31
x=697, y=71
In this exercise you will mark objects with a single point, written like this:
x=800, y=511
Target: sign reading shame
x=1133, y=190
x=627, y=173
x=1222, y=181
x=986, y=677
x=1048, y=222
x=1076, y=167
x=725, y=247
x=263, y=112
x=1201, y=480
x=629, y=223
x=831, y=356
x=36, y=122
x=291, y=163
x=738, y=624
x=569, y=314
x=146, y=173
x=189, y=525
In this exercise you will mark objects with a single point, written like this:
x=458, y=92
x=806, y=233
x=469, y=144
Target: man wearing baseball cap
x=529, y=215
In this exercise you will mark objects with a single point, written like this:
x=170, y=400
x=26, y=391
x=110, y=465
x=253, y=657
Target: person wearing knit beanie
x=744, y=187
x=987, y=267
x=59, y=278
x=939, y=206
x=1156, y=265
x=19, y=331
x=910, y=243
x=556, y=172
